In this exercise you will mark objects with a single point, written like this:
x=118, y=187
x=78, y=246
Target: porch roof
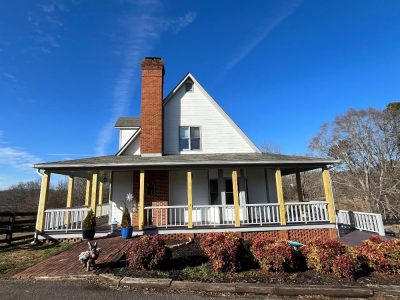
x=288, y=163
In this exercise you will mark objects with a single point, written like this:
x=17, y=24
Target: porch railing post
x=141, y=201
x=94, y=191
x=44, y=189
x=190, y=199
x=328, y=194
x=236, y=197
x=299, y=188
x=279, y=191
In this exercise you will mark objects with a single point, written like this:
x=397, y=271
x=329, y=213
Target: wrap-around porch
x=230, y=210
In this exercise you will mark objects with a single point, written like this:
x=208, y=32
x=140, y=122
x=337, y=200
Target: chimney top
x=153, y=63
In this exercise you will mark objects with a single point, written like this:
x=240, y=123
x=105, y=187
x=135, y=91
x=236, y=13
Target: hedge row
x=228, y=252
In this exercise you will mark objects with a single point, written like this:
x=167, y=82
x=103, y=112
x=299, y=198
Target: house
x=190, y=170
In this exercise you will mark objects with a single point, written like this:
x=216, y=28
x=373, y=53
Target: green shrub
x=382, y=255
x=225, y=250
x=126, y=218
x=147, y=253
x=90, y=221
x=272, y=255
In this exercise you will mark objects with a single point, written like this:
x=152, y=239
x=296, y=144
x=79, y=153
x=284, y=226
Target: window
x=228, y=192
x=214, y=191
x=189, y=138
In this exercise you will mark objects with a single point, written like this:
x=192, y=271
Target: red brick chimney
x=151, y=137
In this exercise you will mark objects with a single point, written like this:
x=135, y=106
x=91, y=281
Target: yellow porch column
x=44, y=191
x=279, y=191
x=190, y=199
x=326, y=179
x=87, y=196
x=69, y=197
x=141, y=201
x=100, y=197
x=236, y=197
x=70, y=191
x=94, y=191
x=299, y=188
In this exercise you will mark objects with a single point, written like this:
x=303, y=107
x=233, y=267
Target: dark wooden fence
x=20, y=223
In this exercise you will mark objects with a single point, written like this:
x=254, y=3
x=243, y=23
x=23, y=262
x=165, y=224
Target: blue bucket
x=126, y=232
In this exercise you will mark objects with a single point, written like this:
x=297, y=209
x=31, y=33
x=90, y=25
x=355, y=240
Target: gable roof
x=128, y=122
x=189, y=76
x=128, y=142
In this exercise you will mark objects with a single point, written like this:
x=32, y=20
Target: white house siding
x=272, y=196
x=125, y=135
x=122, y=184
x=178, y=187
x=256, y=184
x=195, y=109
x=134, y=147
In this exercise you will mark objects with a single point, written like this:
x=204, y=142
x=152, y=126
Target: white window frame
x=190, y=145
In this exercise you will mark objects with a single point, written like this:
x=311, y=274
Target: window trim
x=190, y=145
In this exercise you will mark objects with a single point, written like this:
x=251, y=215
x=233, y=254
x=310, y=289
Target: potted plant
x=89, y=226
x=126, y=226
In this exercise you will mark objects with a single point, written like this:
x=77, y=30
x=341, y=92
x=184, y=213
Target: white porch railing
x=213, y=215
x=260, y=214
x=306, y=212
x=249, y=214
x=165, y=216
x=105, y=210
x=66, y=219
x=361, y=221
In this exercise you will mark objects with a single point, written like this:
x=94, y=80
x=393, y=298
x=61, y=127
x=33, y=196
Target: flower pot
x=126, y=232
x=88, y=234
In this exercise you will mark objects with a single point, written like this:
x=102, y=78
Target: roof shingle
x=128, y=122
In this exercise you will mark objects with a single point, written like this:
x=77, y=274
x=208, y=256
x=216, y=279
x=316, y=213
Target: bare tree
x=267, y=147
x=367, y=143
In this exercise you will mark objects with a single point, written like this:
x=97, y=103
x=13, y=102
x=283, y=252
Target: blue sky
x=280, y=69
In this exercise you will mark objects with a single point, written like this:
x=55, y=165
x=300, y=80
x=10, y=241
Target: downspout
x=35, y=237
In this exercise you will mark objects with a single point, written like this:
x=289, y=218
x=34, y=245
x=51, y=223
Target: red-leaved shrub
x=347, y=264
x=381, y=255
x=225, y=250
x=272, y=255
x=320, y=255
x=148, y=252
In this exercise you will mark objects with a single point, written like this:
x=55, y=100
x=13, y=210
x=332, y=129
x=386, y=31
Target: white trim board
x=128, y=142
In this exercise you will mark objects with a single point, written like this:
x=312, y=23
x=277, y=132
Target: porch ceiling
x=287, y=163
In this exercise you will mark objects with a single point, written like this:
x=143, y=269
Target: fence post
x=10, y=228
x=381, y=228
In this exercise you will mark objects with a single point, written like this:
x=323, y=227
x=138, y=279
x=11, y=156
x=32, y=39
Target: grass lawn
x=16, y=258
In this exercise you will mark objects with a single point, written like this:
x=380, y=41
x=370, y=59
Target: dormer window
x=189, y=86
x=189, y=138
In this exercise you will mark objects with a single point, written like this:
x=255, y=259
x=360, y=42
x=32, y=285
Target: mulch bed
x=188, y=262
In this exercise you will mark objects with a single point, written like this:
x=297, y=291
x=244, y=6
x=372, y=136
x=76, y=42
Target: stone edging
x=242, y=288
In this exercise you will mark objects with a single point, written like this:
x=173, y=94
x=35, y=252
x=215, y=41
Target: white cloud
x=15, y=157
x=145, y=31
x=45, y=23
x=262, y=34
